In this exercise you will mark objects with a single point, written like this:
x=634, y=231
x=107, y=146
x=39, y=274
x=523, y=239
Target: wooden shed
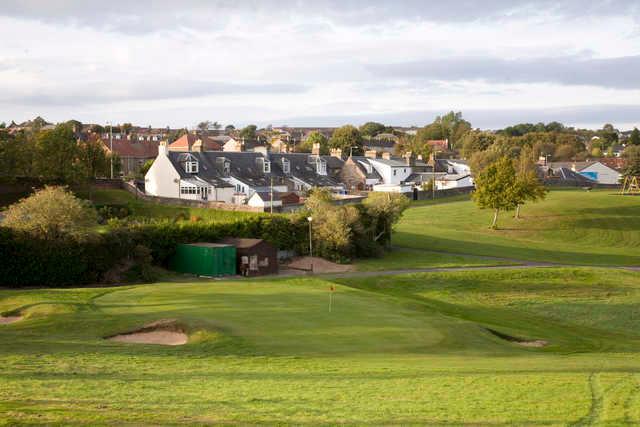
x=254, y=257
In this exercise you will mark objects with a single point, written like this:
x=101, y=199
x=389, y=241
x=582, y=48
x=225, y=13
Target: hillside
x=598, y=227
x=397, y=349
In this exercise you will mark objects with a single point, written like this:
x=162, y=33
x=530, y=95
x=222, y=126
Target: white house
x=185, y=176
x=594, y=170
x=392, y=171
x=453, y=181
x=263, y=200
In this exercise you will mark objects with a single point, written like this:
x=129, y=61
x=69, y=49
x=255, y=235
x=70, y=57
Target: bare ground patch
x=318, y=265
x=520, y=341
x=162, y=332
x=5, y=320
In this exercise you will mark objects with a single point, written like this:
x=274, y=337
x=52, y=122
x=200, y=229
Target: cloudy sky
x=320, y=63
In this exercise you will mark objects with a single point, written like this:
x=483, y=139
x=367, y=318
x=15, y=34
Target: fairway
x=598, y=227
x=393, y=350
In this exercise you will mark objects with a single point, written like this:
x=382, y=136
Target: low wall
x=438, y=194
x=188, y=203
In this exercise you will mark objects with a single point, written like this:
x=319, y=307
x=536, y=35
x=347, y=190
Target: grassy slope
x=400, y=258
x=578, y=227
x=405, y=349
x=143, y=209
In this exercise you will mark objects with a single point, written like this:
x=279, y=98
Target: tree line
x=54, y=155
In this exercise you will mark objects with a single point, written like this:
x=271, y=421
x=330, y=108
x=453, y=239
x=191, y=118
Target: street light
x=111, y=146
x=309, y=218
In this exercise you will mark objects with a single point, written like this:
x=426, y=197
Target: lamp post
x=111, y=147
x=309, y=218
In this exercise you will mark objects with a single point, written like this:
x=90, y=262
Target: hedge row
x=29, y=261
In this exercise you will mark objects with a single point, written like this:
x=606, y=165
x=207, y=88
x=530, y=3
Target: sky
x=321, y=62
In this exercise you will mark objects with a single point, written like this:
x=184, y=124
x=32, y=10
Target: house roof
x=393, y=162
x=187, y=140
x=137, y=149
x=360, y=162
x=303, y=167
x=564, y=174
x=207, y=169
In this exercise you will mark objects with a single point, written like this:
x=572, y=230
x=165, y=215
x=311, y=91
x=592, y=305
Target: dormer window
x=321, y=167
x=226, y=167
x=286, y=165
x=191, y=166
x=266, y=166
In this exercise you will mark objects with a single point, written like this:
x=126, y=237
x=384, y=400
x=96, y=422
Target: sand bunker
x=9, y=319
x=320, y=265
x=520, y=341
x=162, y=332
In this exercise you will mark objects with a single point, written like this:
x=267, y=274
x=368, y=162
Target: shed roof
x=242, y=243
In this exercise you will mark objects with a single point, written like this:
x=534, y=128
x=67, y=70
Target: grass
x=402, y=258
x=408, y=349
x=143, y=209
x=571, y=226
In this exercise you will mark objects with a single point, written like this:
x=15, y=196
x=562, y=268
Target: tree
x=634, y=138
x=229, y=128
x=564, y=152
x=126, y=128
x=249, y=132
x=146, y=166
x=476, y=141
x=529, y=188
x=371, y=129
x=216, y=126
x=497, y=188
x=347, y=138
x=315, y=137
x=596, y=152
x=93, y=161
x=57, y=154
x=386, y=209
x=51, y=213
x=411, y=144
x=632, y=156
x=204, y=126
x=97, y=129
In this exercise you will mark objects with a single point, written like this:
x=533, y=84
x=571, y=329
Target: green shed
x=204, y=259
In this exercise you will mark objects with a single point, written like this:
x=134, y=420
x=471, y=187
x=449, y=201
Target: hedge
x=32, y=261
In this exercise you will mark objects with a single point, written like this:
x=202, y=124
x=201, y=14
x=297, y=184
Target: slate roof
x=359, y=161
x=394, y=162
x=206, y=168
x=303, y=168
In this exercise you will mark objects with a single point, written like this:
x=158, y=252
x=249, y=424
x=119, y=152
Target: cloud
x=620, y=73
x=106, y=92
x=143, y=16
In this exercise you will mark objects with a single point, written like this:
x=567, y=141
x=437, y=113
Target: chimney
x=336, y=152
x=315, y=150
x=197, y=146
x=386, y=156
x=408, y=158
x=163, y=148
x=371, y=154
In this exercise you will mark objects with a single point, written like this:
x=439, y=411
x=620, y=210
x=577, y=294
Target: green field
x=394, y=350
x=436, y=348
x=598, y=227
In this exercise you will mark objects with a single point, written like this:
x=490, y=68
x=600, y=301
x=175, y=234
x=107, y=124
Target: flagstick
x=330, y=299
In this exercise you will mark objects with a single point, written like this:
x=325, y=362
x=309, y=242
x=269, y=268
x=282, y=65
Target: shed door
x=253, y=262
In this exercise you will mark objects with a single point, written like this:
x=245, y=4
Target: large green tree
x=371, y=129
x=497, y=188
x=476, y=141
x=632, y=157
x=249, y=132
x=314, y=137
x=529, y=187
x=634, y=138
x=51, y=213
x=347, y=138
x=57, y=155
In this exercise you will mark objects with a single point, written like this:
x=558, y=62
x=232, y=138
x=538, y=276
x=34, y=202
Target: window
x=266, y=166
x=404, y=170
x=226, y=168
x=395, y=172
x=286, y=166
x=191, y=166
x=321, y=167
